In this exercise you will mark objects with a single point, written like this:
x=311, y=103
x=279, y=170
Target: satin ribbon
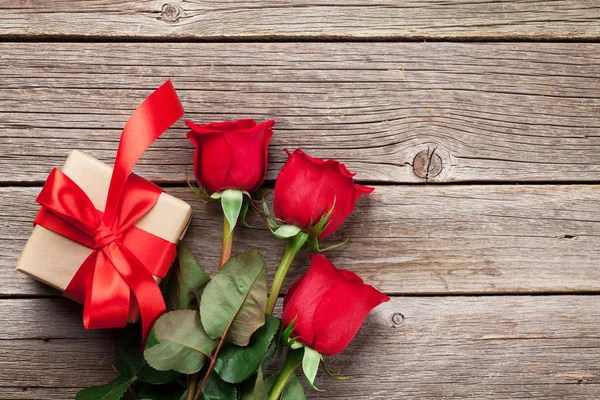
x=124, y=257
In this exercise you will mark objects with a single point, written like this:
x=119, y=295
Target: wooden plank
x=404, y=239
x=420, y=347
x=277, y=19
x=491, y=112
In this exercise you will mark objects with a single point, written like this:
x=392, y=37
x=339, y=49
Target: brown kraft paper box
x=54, y=259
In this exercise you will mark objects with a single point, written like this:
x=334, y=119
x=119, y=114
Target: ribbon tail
x=142, y=284
x=107, y=296
x=151, y=119
x=78, y=286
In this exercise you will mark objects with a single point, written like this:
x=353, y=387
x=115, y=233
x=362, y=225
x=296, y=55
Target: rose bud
x=230, y=155
x=308, y=188
x=327, y=306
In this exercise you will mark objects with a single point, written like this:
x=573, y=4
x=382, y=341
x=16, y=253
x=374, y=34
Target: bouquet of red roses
x=219, y=338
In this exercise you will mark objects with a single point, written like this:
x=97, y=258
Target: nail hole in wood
x=397, y=319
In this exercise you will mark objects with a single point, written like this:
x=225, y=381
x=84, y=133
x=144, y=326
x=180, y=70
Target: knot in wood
x=170, y=12
x=397, y=319
x=427, y=164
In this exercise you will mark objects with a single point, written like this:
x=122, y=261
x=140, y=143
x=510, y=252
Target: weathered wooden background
x=477, y=121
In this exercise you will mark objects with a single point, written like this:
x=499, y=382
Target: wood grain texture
x=490, y=112
x=429, y=347
x=276, y=19
x=404, y=239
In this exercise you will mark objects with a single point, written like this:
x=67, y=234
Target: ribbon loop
x=114, y=268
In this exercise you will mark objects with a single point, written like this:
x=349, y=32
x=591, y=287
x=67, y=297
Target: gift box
x=104, y=236
x=54, y=259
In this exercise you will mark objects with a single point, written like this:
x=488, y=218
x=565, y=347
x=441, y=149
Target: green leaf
x=113, y=391
x=293, y=390
x=233, y=303
x=231, y=201
x=286, y=231
x=236, y=364
x=182, y=346
x=130, y=362
x=186, y=279
x=310, y=365
x=268, y=356
x=129, y=396
x=258, y=391
x=217, y=389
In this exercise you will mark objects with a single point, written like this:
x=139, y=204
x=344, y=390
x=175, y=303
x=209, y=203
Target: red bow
x=124, y=257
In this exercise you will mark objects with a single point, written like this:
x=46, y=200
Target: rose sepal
x=317, y=229
x=310, y=366
x=285, y=338
x=198, y=190
x=235, y=206
x=332, y=375
x=231, y=203
x=311, y=357
x=313, y=242
x=286, y=231
x=206, y=197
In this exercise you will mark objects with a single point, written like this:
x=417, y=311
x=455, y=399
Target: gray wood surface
x=312, y=19
x=426, y=347
x=489, y=112
x=405, y=239
x=494, y=275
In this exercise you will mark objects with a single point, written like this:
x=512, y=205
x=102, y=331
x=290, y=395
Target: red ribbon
x=124, y=257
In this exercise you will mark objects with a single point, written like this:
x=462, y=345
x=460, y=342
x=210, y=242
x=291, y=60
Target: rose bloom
x=230, y=155
x=329, y=305
x=308, y=187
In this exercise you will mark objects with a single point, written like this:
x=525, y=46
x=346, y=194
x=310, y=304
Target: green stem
x=294, y=244
x=227, y=242
x=226, y=246
x=292, y=361
x=191, y=386
x=212, y=362
x=132, y=393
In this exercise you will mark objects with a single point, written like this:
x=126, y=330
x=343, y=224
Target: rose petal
x=350, y=276
x=227, y=126
x=211, y=160
x=249, y=154
x=340, y=313
x=292, y=198
x=308, y=187
x=301, y=304
x=360, y=190
x=291, y=290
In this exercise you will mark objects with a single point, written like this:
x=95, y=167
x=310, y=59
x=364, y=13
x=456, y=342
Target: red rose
x=329, y=305
x=230, y=155
x=308, y=187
